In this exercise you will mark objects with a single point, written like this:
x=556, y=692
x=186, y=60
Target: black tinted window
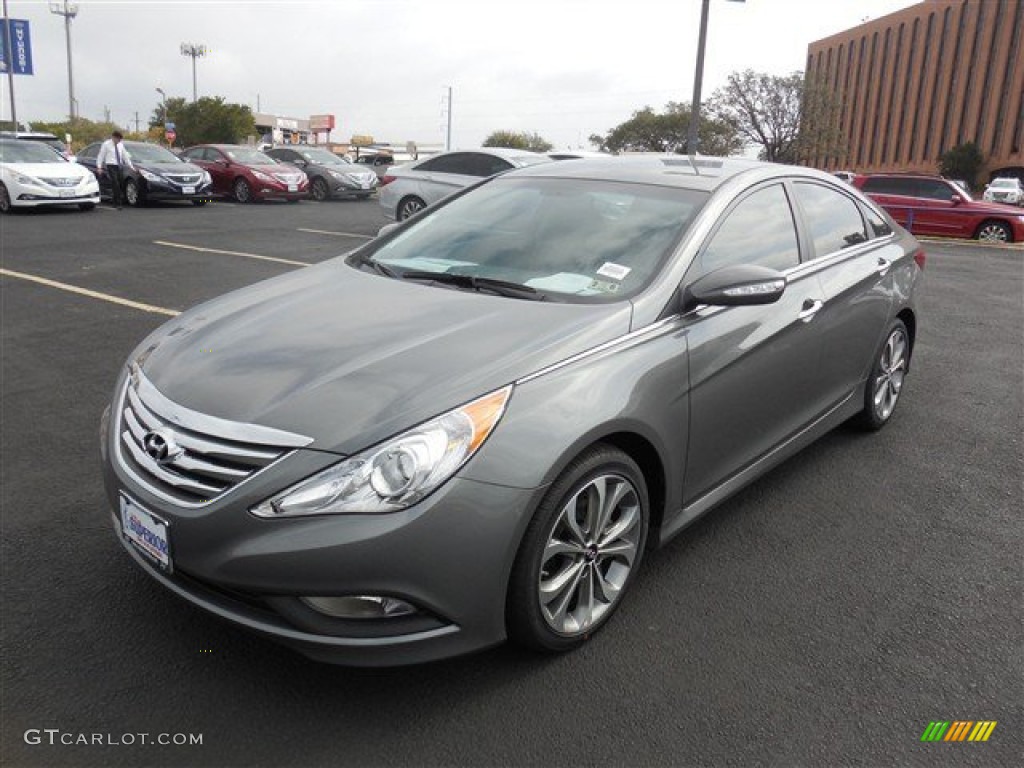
x=485, y=165
x=887, y=185
x=457, y=162
x=90, y=152
x=935, y=189
x=759, y=230
x=833, y=219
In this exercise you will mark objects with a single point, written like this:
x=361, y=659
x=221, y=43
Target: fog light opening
x=360, y=607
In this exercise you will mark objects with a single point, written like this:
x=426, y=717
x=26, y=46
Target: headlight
x=207, y=178
x=397, y=473
x=149, y=176
x=262, y=176
x=27, y=180
x=339, y=176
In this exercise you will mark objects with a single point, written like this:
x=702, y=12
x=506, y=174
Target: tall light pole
x=194, y=51
x=692, y=139
x=163, y=103
x=68, y=11
x=448, y=135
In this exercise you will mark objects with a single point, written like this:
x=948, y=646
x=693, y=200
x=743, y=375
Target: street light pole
x=194, y=51
x=68, y=11
x=163, y=103
x=692, y=139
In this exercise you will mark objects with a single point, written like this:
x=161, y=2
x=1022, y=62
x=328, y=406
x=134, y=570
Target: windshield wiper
x=479, y=284
x=381, y=269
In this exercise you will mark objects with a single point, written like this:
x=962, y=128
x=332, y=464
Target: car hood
x=349, y=358
x=49, y=170
x=174, y=169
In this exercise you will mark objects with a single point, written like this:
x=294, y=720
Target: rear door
x=938, y=214
x=440, y=176
x=754, y=371
x=852, y=257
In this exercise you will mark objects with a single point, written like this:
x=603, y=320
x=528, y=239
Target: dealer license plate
x=146, y=532
x=293, y=187
x=188, y=190
x=68, y=193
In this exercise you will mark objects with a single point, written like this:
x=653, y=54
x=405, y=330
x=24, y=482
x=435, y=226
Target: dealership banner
x=21, y=47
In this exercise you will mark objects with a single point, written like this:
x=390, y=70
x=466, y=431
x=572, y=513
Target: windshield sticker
x=603, y=286
x=614, y=271
x=562, y=282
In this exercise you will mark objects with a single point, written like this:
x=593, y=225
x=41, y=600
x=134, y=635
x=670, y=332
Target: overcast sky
x=563, y=68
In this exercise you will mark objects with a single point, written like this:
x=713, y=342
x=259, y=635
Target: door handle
x=810, y=308
x=883, y=266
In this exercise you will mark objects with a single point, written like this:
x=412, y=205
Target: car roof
x=700, y=172
x=499, y=151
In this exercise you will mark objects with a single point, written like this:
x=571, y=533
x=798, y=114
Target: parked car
x=476, y=425
x=33, y=175
x=1008, y=191
x=931, y=205
x=247, y=174
x=407, y=189
x=158, y=174
x=43, y=138
x=330, y=175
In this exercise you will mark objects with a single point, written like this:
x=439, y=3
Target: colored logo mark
x=958, y=730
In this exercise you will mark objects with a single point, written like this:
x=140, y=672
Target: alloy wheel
x=320, y=190
x=589, y=554
x=5, y=200
x=892, y=368
x=994, y=232
x=410, y=207
x=131, y=192
x=242, y=191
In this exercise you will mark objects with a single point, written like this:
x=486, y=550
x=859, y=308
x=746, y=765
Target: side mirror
x=388, y=228
x=955, y=199
x=739, y=286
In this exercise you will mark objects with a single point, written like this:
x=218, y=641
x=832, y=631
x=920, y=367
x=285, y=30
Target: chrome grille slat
x=187, y=457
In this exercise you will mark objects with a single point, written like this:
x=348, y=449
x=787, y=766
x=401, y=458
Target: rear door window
x=457, y=162
x=889, y=185
x=832, y=219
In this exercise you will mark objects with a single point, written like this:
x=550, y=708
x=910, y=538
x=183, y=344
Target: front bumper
x=34, y=197
x=345, y=188
x=450, y=556
x=165, y=190
x=267, y=190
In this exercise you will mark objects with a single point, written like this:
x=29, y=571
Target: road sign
x=20, y=55
x=171, y=136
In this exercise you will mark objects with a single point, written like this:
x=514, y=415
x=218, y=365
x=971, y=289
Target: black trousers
x=116, y=184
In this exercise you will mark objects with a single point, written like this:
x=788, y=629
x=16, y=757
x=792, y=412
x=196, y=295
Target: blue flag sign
x=19, y=57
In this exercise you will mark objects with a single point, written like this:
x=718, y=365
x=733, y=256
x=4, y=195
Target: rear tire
x=409, y=206
x=580, y=552
x=242, y=191
x=885, y=383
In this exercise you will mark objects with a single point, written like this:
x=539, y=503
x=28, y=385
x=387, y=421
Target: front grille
x=61, y=182
x=190, y=178
x=288, y=178
x=187, y=457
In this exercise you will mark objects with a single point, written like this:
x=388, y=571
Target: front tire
x=994, y=232
x=409, y=206
x=5, y=200
x=580, y=552
x=242, y=191
x=885, y=384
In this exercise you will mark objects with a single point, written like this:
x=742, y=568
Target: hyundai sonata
x=476, y=426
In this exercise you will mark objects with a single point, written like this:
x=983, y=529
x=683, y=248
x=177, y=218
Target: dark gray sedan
x=476, y=425
x=330, y=175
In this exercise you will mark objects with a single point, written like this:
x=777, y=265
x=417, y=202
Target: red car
x=931, y=205
x=247, y=174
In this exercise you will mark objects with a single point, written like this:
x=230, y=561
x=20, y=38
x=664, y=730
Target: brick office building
x=915, y=83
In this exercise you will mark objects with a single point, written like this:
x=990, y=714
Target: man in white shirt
x=113, y=157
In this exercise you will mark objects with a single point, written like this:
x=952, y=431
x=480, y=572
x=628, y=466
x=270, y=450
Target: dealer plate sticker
x=293, y=187
x=68, y=192
x=188, y=190
x=147, y=532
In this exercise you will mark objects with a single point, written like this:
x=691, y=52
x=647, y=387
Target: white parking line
x=232, y=253
x=336, y=234
x=91, y=294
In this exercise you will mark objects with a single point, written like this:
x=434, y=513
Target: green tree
x=791, y=118
x=518, y=140
x=83, y=131
x=210, y=120
x=649, y=131
x=963, y=161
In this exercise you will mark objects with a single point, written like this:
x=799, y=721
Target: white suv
x=1007, y=191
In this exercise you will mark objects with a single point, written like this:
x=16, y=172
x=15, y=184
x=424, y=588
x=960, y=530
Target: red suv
x=247, y=174
x=930, y=205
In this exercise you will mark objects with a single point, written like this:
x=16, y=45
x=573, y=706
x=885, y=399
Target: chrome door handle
x=883, y=266
x=810, y=309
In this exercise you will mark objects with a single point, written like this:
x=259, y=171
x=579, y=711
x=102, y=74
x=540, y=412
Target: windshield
x=578, y=240
x=249, y=156
x=28, y=152
x=322, y=156
x=151, y=153
x=1005, y=183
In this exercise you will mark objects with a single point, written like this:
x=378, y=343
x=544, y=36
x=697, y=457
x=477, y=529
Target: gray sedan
x=478, y=425
x=330, y=175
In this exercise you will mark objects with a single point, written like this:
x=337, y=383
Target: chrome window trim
x=830, y=259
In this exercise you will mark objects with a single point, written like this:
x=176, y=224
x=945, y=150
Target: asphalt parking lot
x=824, y=616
